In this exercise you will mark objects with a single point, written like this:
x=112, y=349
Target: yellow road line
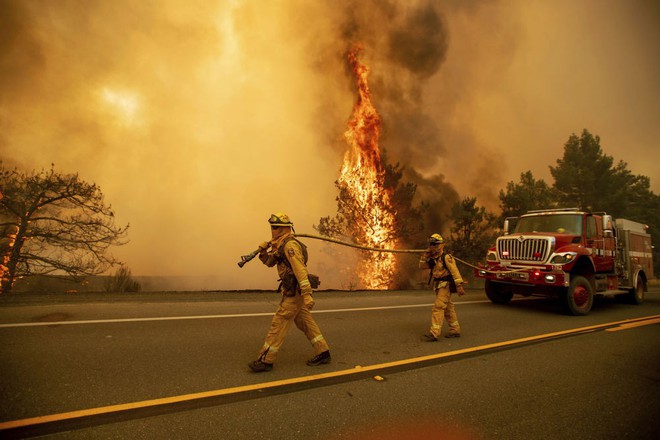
x=105, y=410
x=633, y=325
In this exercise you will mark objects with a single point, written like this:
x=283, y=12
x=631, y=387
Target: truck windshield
x=555, y=223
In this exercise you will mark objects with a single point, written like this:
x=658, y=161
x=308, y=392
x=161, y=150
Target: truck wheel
x=636, y=295
x=497, y=293
x=579, y=296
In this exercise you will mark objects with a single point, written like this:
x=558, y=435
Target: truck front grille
x=522, y=248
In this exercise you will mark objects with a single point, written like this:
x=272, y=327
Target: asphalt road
x=60, y=354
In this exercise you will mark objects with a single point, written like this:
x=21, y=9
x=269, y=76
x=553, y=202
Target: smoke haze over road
x=199, y=119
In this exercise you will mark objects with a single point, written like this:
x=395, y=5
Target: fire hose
x=251, y=255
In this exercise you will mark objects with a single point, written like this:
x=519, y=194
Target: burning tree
x=473, y=232
x=365, y=210
x=54, y=225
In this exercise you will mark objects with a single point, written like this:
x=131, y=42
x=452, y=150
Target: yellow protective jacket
x=441, y=272
x=290, y=257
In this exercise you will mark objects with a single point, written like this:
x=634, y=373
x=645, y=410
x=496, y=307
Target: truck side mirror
x=607, y=226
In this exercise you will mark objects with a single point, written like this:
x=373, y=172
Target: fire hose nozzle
x=248, y=257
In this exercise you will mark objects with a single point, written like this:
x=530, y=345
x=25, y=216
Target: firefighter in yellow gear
x=446, y=280
x=290, y=257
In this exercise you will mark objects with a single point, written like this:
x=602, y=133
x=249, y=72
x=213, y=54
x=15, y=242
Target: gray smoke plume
x=405, y=44
x=200, y=119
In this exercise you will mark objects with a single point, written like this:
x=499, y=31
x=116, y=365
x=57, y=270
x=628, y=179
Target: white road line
x=243, y=315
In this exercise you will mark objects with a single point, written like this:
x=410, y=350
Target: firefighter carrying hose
x=290, y=257
x=446, y=279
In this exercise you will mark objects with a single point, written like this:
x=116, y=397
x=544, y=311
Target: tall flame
x=7, y=240
x=362, y=178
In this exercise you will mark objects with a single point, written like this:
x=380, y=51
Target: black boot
x=321, y=358
x=258, y=366
x=428, y=337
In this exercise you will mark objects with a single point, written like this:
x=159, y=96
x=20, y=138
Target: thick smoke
x=405, y=44
x=199, y=119
x=193, y=118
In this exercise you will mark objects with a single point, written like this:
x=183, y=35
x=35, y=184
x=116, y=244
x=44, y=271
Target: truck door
x=602, y=248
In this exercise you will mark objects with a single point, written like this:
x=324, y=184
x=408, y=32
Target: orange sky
x=200, y=118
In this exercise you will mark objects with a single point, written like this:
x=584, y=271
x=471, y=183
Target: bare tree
x=122, y=281
x=54, y=225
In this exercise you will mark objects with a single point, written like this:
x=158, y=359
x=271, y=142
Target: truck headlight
x=563, y=258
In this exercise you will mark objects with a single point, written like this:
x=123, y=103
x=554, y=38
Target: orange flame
x=7, y=241
x=362, y=176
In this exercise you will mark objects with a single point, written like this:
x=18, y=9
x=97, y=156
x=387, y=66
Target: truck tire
x=579, y=296
x=636, y=295
x=497, y=293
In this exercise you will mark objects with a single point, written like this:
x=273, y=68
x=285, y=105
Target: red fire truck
x=570, y=254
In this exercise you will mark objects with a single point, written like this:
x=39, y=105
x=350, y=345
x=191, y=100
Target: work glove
x=430, y=259
x=308, y=300
x=460, y=290
x=306, y=293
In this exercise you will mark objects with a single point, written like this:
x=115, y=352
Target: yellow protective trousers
x=291, y=309
x=444, y=308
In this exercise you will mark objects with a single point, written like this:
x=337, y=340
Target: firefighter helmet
x=436, y=239
x=279, y=219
